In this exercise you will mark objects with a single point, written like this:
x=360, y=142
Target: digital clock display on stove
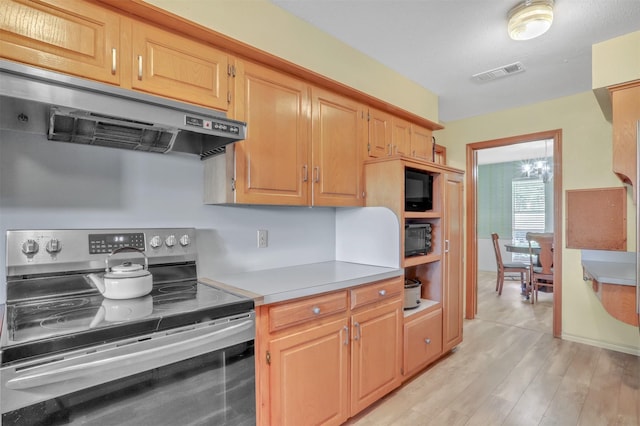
x=106, y=243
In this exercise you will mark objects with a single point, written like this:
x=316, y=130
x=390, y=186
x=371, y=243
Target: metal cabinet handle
x=427, y=341
x=346, y=335
x=316, y=310
x=446, y=246
x=382, y=292
x=114, y=58
x=139, y=67
x=305, y=173
x=356, y=336
x=316, y=171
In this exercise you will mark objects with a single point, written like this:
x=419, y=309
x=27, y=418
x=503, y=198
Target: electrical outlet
x=263, y=238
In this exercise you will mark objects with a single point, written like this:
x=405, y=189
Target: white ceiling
x=440, y=44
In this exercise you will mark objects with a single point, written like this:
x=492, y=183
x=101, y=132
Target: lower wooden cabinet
x=320, y=362
x=309, y=376
x=422, y=341
x=375, y=354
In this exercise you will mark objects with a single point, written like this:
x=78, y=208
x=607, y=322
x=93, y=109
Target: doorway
x=472, y=214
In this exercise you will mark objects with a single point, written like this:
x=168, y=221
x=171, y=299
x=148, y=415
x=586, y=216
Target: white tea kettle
x=125, y=281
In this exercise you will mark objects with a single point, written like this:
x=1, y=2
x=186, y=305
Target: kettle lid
x=126, y=267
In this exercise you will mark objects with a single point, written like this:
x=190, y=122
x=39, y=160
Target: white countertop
x=610, y=267
x=276, y=285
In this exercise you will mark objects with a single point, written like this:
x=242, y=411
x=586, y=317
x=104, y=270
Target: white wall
x=56, y=185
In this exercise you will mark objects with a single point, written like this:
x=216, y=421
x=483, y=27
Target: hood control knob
x=155, y=242
x=185, y=240
x=170, y=241
x=54, y=246
x=30, y=247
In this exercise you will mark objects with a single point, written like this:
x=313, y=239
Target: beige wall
x=616, y=61
x=586, y=163
x=267, y=27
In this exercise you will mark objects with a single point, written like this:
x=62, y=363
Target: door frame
x=471, y=291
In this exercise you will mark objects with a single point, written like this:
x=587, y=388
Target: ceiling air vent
x=500, y=72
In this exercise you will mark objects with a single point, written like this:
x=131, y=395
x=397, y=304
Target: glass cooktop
x=49, y=325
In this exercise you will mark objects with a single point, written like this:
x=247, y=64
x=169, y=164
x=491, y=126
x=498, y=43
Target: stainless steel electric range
x=181, y=354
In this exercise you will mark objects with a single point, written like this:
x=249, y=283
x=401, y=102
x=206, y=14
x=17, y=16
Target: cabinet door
x=626, y=114
x=422, y=341
x=337, y=139
x=375, y=354
x=453, y=262
x=73, y=37
x=421, y=143
x=271, y=163
x=401, y=137
x=309, y=379
x=379, y=138
x=167, y=64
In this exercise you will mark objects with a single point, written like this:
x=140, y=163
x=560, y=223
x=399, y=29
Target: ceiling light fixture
x=530, y=19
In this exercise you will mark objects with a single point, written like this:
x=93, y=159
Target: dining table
x=522, y=248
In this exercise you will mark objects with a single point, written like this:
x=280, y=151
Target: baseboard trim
x=632, y=350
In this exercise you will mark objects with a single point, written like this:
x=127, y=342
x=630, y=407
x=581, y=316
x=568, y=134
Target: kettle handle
x=126, y=248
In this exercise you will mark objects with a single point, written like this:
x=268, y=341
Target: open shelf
x=422, y=215
x=420, y=260
x=425, y=305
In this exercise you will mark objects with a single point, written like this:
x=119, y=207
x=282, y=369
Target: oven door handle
x=139, y=360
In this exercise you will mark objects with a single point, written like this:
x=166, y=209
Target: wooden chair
x=503, y=268
x=542, y=268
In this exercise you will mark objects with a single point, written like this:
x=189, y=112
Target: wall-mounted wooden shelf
x=597, y=219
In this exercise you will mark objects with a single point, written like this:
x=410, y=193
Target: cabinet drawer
x=377, y=292
x=422, y=341
x=294, y=313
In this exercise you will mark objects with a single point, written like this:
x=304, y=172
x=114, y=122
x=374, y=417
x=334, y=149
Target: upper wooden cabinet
x=380, y=133
x=271, y=165
x=176, y=67
x=70, y=36
x=303, y=145
x=401, y=137
x=421, y=143
x=336, y=161
x=625, y=100
x=86, y=40
x=389, y=135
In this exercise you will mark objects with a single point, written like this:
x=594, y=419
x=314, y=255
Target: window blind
x=528, y=209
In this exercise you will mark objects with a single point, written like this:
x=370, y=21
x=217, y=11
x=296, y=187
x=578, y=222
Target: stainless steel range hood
x=71, y=109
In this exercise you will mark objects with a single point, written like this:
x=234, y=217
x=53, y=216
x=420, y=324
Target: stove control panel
x=45, y=251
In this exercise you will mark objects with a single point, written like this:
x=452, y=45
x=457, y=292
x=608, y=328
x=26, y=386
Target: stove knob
x=185, y=240
x=155, y=242
x=30, y=247
x=54, y=246
x=170, y=241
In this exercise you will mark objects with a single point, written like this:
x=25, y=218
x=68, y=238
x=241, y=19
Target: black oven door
x=202, y=387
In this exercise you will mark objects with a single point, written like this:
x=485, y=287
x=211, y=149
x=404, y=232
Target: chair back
x=496, y=249
x=545, y=258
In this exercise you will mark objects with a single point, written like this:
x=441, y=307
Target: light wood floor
x=509, y=370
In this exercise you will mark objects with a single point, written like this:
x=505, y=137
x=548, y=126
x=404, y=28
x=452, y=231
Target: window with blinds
x=528, y=210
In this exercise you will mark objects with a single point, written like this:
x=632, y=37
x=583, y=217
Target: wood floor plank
x=510, y=371
x=534, y=401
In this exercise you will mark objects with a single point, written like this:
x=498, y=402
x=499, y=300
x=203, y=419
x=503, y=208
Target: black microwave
x=417, y=239
x=418, y=190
